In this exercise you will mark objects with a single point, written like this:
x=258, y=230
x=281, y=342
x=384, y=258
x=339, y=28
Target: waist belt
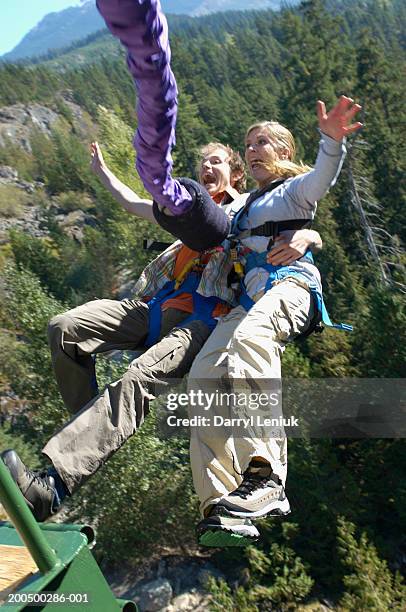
x=259, y=260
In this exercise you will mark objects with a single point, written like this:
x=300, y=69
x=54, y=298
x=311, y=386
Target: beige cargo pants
x=103, y=422
x=243, y=354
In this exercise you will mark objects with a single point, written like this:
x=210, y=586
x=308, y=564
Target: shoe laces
x=253, y=480
x=40, y=478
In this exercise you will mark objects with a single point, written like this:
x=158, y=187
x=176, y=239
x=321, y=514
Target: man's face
x=215, y=171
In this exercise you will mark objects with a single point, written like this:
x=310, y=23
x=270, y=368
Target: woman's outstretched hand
x=97, y=163
x=337, y=122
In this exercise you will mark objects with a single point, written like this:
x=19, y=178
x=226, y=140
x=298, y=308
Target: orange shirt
x=184, y=301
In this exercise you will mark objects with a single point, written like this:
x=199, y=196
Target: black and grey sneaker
x=38, y=488
x=260, y=494
x=221, y=529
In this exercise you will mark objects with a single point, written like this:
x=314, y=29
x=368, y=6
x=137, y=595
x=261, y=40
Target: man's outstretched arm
x=124, y=195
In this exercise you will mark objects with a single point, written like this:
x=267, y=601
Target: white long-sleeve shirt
x=296, y=198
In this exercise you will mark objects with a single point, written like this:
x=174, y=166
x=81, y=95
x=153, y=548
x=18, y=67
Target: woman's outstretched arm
x=334, y=126
x=125, y=196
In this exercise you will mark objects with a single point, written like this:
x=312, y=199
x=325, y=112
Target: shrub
x=12, y=201
x=73, y=200
x=369, y=583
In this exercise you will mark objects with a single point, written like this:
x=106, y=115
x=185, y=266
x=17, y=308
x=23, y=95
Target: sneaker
x=221, y=529
x=38, y=488
x=260, y=494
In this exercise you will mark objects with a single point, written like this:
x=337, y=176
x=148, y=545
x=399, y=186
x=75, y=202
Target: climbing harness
x=245, y=259
x=187, y=281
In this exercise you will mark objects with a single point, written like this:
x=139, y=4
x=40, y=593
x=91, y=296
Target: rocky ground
x=29, y=217
x=17, y=121
x=171, y=584
x=16, y=125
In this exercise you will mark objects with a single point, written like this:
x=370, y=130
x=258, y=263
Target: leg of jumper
x=84, y=444
x=95, y=327
x=254, y=364
x=243, y=346
x=142, y=29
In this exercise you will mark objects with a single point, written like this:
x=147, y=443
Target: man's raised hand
x=97, y=163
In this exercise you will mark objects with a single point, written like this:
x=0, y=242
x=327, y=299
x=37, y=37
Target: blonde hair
x=236, y=162
x=282, y=138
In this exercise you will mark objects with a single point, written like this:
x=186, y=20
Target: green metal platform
x=66, y=573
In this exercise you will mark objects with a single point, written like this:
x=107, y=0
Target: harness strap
x=325, y=317
x=258, y=260
x=185, y=271
x=155, y=313
x=202, y=306
x=149, y=244
x=254, y=195
x=272, y=229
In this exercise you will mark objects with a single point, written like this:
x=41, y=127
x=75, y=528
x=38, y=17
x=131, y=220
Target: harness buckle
x=239, y=269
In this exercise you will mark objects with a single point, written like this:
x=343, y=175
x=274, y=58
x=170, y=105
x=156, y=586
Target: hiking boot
x=221, y=529
x=260, y=494
x=37, y=487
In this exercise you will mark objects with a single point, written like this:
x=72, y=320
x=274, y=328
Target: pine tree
x=381, y=89
x=319, y=64
x=369, y=583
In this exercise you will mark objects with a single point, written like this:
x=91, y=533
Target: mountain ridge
x=62, y=28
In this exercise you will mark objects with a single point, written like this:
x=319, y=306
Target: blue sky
x=17, y=17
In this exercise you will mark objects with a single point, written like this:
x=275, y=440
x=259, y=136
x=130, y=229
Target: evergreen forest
x=345, y=540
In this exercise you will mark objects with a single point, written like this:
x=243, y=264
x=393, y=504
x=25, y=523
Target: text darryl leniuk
x=237, y=401
x=220, y=421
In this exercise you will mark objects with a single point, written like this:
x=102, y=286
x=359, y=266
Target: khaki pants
x=103, y=422
x=243, y=353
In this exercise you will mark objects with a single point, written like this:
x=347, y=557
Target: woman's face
x=215, y=171
x=260, y=151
